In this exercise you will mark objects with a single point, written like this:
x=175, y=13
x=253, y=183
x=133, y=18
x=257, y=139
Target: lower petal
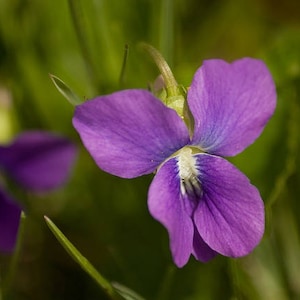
x=38, y=160
x=201, y=250
x=166, y=205
x=230, y=215
x=9, y=222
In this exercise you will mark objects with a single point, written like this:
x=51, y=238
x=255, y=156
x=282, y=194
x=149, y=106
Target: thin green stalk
x=166, y=285
x=235, y=279
x=292, y=148
x=169, y=79
x=0, y=286
x=16, y=255
x=82, y=261
x=80, y=30
x=105, y=39
x=122, y=74
x=167, y=30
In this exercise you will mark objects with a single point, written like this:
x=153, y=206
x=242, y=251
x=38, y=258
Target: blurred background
x=83, y=42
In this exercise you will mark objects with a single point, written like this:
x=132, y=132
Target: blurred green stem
x=122, y=74
x=82, y=261
x=166, y=30
x=80, y=26
x=8, y=280
x=169, y=79
x=166, y=285
x=292, y=149
x=235, y=279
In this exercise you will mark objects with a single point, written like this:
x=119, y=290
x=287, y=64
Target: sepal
x=66, y=91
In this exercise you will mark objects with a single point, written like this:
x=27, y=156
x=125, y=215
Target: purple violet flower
x=38, y=161
x=207, y=205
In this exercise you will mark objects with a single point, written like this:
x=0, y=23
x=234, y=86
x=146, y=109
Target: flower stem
x=77, y=18
x=166, y=30
x=14, y=261
x=105, y=285
x=121, y=80
x=166, y=285
x=293, y=142
x=169, y=79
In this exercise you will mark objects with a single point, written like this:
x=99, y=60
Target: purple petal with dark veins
x=9, y=222
x=38, y=160
x=166, y=205
x=231, y=104
x=230, y=215
x=129, y=133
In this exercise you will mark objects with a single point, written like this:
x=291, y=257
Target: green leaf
x=106, y=286
x=67, y=92
x=125, y=292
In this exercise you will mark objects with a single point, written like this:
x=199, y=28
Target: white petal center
x=188, y=173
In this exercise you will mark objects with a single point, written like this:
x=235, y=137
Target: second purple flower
x=207, y=205
x=37, y=161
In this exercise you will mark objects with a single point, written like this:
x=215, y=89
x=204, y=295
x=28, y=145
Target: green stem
x=78, y=22
x=166, y=30
x=235, y=279
x=0, y=286
x=292, y=152
x=82, y=261
x=14, y=262
x=169, y=79
x=121, y=80
x=166, y=285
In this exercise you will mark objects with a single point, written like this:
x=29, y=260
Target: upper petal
x=230, y=215
x=38, y=160
x=9, y=221
x=129, y=133
x=167, y=206
x=231, y=103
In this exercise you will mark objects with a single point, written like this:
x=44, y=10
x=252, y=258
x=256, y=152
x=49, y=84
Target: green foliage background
x=82, y=42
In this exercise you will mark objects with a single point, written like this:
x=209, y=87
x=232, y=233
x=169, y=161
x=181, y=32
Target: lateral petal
x=129, y=133
x=166, y=206
x=231, y=104
x=230, y=215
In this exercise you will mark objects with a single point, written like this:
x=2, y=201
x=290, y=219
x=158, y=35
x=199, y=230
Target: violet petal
x=9, y=222
x=230, y=215
x=129, y=133
x=166, y=205
x=231, y=103
x=201, y=250
x=38, y=160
